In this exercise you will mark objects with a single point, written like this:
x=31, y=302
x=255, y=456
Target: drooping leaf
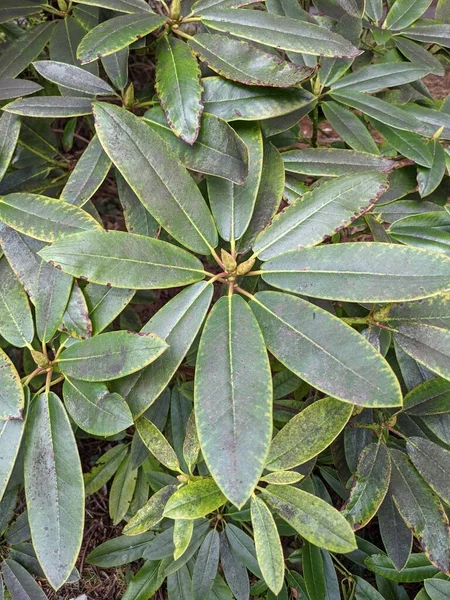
x=280, y=32
x=432, y=462
x=9, y=134
x=349, y=127
x=16, y=321
x=416, y=569
x=54, y=488
x=105, y=468
x=427, y=344
x=114, y=34
x=24, y=49
x=205, y=568
x=182, y=535
x=110, y=355
x=11, y=432
x=75, y=320
x=122, y=490
x=316, y=426
x=268, y=546
x=313, y=518
x=404, y=12
x=195, y=500
x=179, y=88
x=370, y=485
x=116, y=67
x=104, y=258
x=396, y=536
x=363, y=272
x=151, y=513
x=311, y=342
x=161, y=182
x=137, y=218
x=125, y=6
x=234, y=571
x=320, y=212
x=232, y=385
x=429, y=178
x=20, y=583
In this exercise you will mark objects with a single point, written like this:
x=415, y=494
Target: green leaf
x=217, y=151
x=182, y=535
x=156, y=176
x=151, y=513
x=332, y=162
x=311, y=343
x=125, y=6
x=179, y=88
x=319, y=213
x=369, y=487
x=177, y=322
x=110, y=355
x=427, y=344
x=10, y=438
x=429, y=398
x=232, y=205
x=104, y=257
x=105, y=467
x=431, y=33
x=313, y=571
x=205, y=568
x=54, y=488
x=362, y=272
x=432, y=462
x=204, y=5
x=349, y=127
x=12, y=399
x=244, y=548
x=9, y=134
x=429, y=179
x=95, y=409
x=179, y=585
x=240, y=61
x=282, y=477
x=122, y=490
x=25, y=49
x=280, y=32
x=157, y=444
x=396, y=536
x=421, y=510
x=417, y=568
x=375, y=78
x=51, y=294
x=87, y=176
x=145, y=583
x=16, y=321
x=137, y=218
x=234, y=570
x=121, y=550
x=194, y=500
x=268, y=546
x=113, y=35
x=20, y=8
x=411, y=145
x=19, y=582
x=417, y=54
x=404, y=12
x=365, y=591
x=317, y=426
x=75, y=320
x=379, y=109
x=236, y=102
x=428, y=230
x=432, y=120
x=54, y=107
x=116, y=67
x=72, y=77
x=232, y=385
x=313, y=518
x=437, y=589
x=104, y=304
x=44, y=218
x=13, y=88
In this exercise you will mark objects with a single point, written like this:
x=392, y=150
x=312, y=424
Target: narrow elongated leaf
x=240, y=61
x=182, y=535
x=51, y=296
x=316, y=426
x=157, y=444
x=429, y=398
x=280, y=32
x=349, y=127
x=25, y=49
x=13, y=88
x=234, y=101
x=432, y=120
x=145, y=583
x=179, y=88
x=44, y=218
x=195, y=500
x=417, y=54
x=11, y=432
x=88, y=174
x=114, y=34
x=105, y=258
x=218, y=149
x=332, y=162
x=421, y=510
x=231, y=204
x=312, y=517
x=380, y=76
x=110, y=355
x=16, y=321
x=12, y=398
x=137, y=218
x=432, y=462
x=369, y=486
x=116, y=67
x=19, y=582
x=72, y=77
x=429, y=230
x=268, y=546
x=416, y=569
x=204, y=5
x=429, y=179
x=205, y=569
x=407, y=143
x=156, y=176
x=104, y=304
x=54, y=488
x=233, y=384
x=179, y=585
x=367, y=272
x=125, y=6
x=319, y=213
x=437, y=589
x=120, y=550
x=311, y=342
x=244, y=548
x=427, y=344
x=151, y=513
x=105, y=468
x=379, y=109
x=396, y=536
x=234, y=570
x=50, y=107
x=178, y=322
x=20, y=8
x=9, y=134
x=122, y=490
x=95, y=409
x=404, y=12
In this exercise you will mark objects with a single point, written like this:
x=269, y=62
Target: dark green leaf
x=349, y=127
x=404, y=12
x=120, y=550
x=427, y=344
x=396, y=536
x=19, y=582
x=16, y=321
x=234, y=570
x=429, y=398
x=72, y=77
x=375, y=78
x=105, y=467
x=50, y=107
x=429, y=179
x=125, y=6
x=433, y=463
x=13, y=88
x=25, y=49
x=10, y=437
x=417, y=568
x=19, y=8
x=437, y=589
x=51, y=294
x=9, y=134
x=411, y=145
x=206, y=564
x=332, y=162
